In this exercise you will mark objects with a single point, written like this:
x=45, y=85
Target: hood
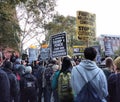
x=88, y=64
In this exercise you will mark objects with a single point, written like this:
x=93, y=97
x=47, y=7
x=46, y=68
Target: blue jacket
x=89, y=69
x=4, y=87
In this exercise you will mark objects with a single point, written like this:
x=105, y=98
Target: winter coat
x=14, y=86
x=4, y=87
x=114, y=87
x=28, y=86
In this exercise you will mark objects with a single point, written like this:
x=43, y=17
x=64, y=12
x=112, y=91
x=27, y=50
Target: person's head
x=55, y=67
x=66, y=64
x=117, y=63
x=28, y=69
x=8, y=65
x=77, y=61
x=109, y=62
x=90, y=53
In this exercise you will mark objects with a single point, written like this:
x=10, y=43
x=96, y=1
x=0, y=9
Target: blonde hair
x=110, y=64
x=117, y=62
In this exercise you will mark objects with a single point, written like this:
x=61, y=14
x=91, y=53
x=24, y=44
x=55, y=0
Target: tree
x=117, y=52
x=33, y=15
x=59, y=24
x=8, y=25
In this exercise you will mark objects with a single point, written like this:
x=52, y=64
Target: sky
x=107, y=13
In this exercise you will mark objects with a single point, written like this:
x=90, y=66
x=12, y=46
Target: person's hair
x=90, y=53
x=117, y=63
x=66, y=64
x=109, y=62
x=8, y=65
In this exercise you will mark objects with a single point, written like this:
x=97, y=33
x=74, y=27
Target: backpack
x=88, y=93
x=28, y=83
x=64, y=87
x=48, y=74
x=40, y=76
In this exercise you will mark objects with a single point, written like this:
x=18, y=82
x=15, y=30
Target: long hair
x=66, y=64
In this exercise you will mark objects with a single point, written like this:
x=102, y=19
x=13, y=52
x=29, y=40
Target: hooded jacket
x=89, y=69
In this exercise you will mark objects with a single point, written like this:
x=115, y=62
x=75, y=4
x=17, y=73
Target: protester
x=54, y=81
x=35, y=67
x=64, y=88
x=14, y=87
x=28, y=86
x=88, y=70
x=13, y=57
x=41, y=81
x=4, y=84
x=114, y=83
x=109, y=67
x=47, y=75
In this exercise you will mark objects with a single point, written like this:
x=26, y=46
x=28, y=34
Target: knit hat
x=117, y=62
x=28, y=69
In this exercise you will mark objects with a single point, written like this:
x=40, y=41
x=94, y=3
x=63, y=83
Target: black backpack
x=40, y=76
x=88, y=93
x=28, y=83
x=48, y=74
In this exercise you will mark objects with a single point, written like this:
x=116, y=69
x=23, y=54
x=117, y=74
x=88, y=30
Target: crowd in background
x=21, y=81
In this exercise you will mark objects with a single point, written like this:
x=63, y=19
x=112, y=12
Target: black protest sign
x=58, y=45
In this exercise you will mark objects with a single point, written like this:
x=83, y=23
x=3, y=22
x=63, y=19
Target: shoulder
x=74, y=68
x=112, y=76
x=2, y=73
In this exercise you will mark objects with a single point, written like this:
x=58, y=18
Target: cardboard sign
x=44, y=54
x=86, y=26
x=33, y=53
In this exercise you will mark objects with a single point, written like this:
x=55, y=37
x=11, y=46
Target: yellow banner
x=86, y=25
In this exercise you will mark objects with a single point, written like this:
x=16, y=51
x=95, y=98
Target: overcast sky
x=107, y=13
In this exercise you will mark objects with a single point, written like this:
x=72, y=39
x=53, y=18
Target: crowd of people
x=63, y=79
